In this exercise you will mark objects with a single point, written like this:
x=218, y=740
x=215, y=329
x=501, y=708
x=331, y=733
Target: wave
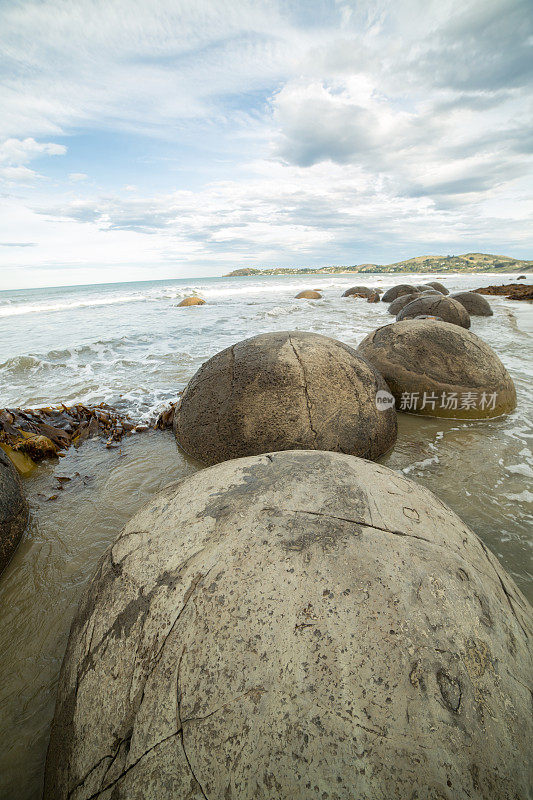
x=28, y=308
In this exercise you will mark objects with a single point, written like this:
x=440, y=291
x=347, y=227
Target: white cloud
x=21, y=151
x=345, y=127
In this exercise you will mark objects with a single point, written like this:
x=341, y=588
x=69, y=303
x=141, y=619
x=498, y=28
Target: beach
x=130, y=346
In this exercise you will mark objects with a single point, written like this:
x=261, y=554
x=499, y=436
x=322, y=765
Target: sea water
x=130, y=345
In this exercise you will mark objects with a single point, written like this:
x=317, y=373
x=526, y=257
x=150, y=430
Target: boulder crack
x=304, y=387
x=361, y=523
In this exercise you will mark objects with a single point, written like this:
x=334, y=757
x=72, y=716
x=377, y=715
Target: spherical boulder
x=436, y=306
x=397, y=291
x=191, y=301
x=436, y=285
x=281, y=391
x=440, y=370
x=13, y=510
x=401, y=301
x=295, y=625
x=475, y=304
x=309, y=294
x=359, y=291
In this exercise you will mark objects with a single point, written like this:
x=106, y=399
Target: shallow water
x=130, y=346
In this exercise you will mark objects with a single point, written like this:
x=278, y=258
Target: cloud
x=16, y=153
x=259, y=129
x=21, y=151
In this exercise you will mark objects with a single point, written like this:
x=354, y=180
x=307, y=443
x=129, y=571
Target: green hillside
x=469, y=262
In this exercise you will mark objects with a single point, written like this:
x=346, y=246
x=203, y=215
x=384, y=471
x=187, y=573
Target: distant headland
x=469, y=262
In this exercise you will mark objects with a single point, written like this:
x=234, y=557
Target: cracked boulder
x=401, y=301
x=301, y=625
x=436, y=305
x=283, y=391
x=438, y=369
x=13, y=510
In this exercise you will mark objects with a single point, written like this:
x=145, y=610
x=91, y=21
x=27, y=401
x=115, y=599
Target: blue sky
x=175, y=138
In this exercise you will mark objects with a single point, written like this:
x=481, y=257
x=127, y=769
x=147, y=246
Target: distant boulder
x=439, y=286
x=309, y=294
x=436, y=306
x=397, y=305
x=475, y=304
x=359, y=291
x=191, y=301
x=397, y=291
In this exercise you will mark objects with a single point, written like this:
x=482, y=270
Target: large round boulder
x=397, y=291
x=359, y=291
x=401, y=301
x=436, y=306
x=440, y=370
x=283, y=391
x=309, y=294
x=300, y=625
x=440, y=286
x=13, y=510
x=475, y=304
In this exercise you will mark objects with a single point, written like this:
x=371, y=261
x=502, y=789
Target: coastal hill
x=469, y=262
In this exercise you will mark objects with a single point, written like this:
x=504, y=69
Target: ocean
x=129, y=345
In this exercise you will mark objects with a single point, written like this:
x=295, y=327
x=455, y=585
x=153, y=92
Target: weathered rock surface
x=436, y=306
x=439, y=286
x=309, y=294
x=13, y=510
x=401, y=301
x=510, y=290
x=283, y=391
x=475, y=304
x=190, y=301
x=359, y=291
x=438, y=358
x=300, y=625
x=397, y=291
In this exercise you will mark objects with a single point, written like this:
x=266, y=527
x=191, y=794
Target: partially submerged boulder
x=440, y=370
x=359, y=291
x=475, y=304
x=191, y=301
x=309, y=294
x=283, y=391
x=440, y=286
x=13, y=510
x=436, y=306
x=397, y=291
x=401, y=301
x=295, y=625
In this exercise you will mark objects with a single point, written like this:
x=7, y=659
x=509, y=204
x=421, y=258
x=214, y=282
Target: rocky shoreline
x=293, y=596
x=512, y=291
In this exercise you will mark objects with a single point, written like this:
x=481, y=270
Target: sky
x=146, y=139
